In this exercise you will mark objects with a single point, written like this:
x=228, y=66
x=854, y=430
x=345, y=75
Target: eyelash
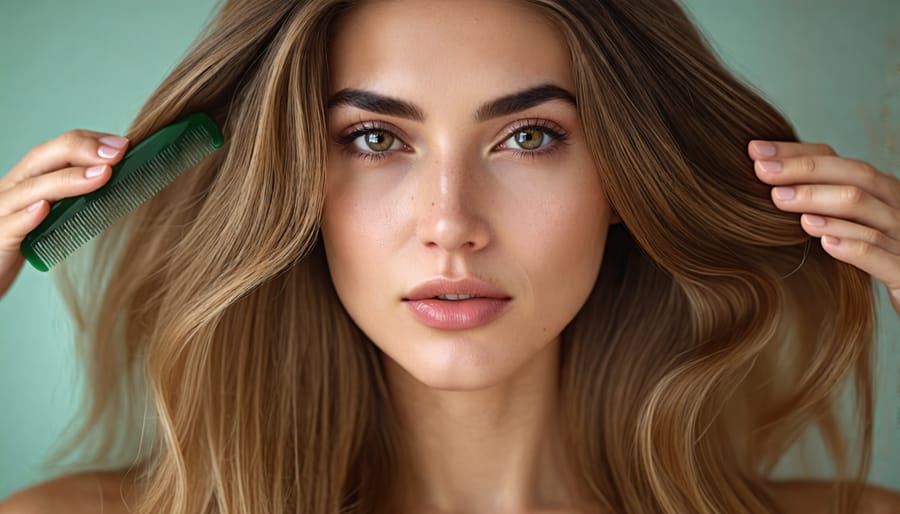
x=365, y=128
x=559, y=136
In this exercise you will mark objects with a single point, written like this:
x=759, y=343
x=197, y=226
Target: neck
x=496, y=449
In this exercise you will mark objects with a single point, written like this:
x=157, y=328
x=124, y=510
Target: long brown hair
x=716, y=333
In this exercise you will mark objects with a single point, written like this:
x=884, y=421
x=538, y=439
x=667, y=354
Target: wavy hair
x=715, y=334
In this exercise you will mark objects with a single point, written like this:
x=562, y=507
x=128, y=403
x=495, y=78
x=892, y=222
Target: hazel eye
x=377, y=141
x=529, y=138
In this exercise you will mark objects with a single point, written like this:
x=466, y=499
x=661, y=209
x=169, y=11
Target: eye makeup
x=558, y=137
x=547, y=129
x=368, y=128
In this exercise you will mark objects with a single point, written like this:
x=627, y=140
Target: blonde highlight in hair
x=702, y=354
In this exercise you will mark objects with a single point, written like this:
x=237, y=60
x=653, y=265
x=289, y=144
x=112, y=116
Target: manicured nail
x=93, y=171
x=785, y=193
x=831, y=240
x=35, y=206
x=114, y=141
x=763, y=148
x=812, y=219
x=770, y=166
x=107, y=151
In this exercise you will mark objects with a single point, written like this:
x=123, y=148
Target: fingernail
x=764, y=148
x=33, y=207
x=831, y=240
x=785, y=193
x=814, y=220
x=114, y=141
x=770, y=166
x=107, y=151
x=93, y=171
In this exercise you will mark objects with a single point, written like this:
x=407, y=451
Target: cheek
x=361, y=208
x=358, y=224
x=548, y=239
x=560, y=244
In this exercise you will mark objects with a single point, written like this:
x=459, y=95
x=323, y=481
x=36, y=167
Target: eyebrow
x=508, y=104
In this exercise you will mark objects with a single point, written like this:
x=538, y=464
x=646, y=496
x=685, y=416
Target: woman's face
x=456, y=154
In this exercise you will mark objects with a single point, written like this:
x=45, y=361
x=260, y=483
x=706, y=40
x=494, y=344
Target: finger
x=13, y=229
x=15, y=226
x=819, y=226
x=825, y=169
x=73, y=148
x=53, y=186
x=759, y=149
x=875, y=261
x=13, y=265
x=847, y=202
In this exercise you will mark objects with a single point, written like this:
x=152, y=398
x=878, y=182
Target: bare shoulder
x=86, y=492
x=811, y=497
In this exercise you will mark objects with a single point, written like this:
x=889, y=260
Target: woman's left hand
x=853, y=207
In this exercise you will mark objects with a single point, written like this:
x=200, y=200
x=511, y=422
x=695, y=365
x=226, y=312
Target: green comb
x=144, y=171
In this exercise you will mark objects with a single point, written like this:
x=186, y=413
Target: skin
x=477, y=407
x=849, y=204
x=50, y=171
x=110, y=492
x=452, y=198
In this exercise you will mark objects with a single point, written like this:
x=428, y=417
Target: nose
x=450, y=195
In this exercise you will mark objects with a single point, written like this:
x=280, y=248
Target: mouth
x=460, y=314
x=461, y=304
x=465, y=289
x=456, y=297
x=457, y=305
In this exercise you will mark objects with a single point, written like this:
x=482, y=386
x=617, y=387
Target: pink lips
x=489, y=305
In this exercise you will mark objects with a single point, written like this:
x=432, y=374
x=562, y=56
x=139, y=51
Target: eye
x=534, y=138
x=376, y=140
x=370, y=142
x=530, y=138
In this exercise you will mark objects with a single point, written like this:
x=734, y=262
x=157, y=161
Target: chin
x=457, y=378
x=460, y=365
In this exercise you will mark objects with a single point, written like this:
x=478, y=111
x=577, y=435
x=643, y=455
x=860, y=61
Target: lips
x=490, y=303
x=467, y=286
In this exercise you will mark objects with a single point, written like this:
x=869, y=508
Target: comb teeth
x=151, y=178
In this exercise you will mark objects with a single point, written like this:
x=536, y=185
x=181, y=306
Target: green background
x=832, y=66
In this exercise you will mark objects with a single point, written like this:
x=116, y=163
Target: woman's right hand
x=75, y=163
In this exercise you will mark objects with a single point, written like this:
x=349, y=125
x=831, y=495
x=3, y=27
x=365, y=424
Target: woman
x=440, y=266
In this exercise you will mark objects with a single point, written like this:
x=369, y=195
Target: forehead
x=408, y=46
